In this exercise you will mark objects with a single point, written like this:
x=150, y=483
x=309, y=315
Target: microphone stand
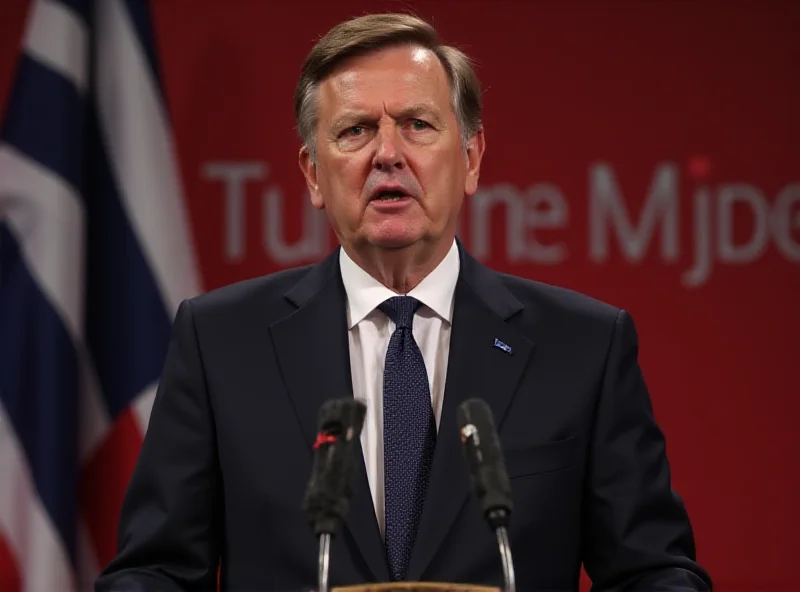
x=324, y=561
x=498, y=519
x=489, y=477
x=508, y=562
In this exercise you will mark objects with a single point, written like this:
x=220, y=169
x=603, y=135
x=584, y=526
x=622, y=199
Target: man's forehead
x=360, y=69
x=389, y=73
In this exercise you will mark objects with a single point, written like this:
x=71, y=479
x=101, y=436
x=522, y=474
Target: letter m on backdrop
x=608, y=210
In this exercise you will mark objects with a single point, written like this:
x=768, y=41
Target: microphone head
x=330, y=485
x=337, y=416
x=485, y=461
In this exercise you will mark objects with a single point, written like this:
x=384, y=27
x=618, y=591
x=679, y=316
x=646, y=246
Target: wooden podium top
x=416, y=587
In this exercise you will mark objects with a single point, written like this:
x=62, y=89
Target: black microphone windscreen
x=330, y=485
x=336, y=416
x=485, y=460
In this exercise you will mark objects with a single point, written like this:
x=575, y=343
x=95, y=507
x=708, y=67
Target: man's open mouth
x=393, y=195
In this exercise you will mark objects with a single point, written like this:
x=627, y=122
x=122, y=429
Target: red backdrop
x=646, y=153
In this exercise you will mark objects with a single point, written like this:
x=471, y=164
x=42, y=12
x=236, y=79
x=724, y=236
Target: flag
x=95, y=257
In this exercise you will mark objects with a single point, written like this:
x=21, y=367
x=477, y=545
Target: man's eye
x=355, y=130
x=419, y=125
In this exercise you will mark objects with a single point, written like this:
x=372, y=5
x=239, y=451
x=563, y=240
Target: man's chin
x=393, y=244
x=394, y=239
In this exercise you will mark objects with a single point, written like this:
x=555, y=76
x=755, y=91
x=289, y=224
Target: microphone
x=488, y=475
x=330, y=486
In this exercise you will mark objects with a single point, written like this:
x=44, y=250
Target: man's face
x=391, y=170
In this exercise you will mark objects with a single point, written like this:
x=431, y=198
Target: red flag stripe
x=104, y=481
x=9, y=572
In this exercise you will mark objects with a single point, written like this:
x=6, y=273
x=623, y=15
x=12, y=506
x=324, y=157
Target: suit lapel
x=476, y=368
x=313, y=353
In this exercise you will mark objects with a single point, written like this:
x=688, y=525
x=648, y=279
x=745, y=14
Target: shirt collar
x=365, y=293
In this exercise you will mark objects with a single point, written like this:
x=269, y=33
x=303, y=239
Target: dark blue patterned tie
x=409, y=434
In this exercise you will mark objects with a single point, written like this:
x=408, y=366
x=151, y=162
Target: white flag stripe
x=143, y=405
x=25, y=524
x=134, y=123
x=47, y=219
x=58, y=38
x=88, y=569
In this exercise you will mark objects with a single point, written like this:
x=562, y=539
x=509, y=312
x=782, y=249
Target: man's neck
x=401, y=270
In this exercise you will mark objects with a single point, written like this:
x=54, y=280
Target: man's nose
x=389, y=150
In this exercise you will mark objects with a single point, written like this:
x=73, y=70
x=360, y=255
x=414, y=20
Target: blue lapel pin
x=500, y=345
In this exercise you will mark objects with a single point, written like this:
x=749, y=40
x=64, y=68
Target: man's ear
x=309, y=169
x=474, y=152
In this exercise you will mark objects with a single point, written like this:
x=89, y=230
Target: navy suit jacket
x=227, y=456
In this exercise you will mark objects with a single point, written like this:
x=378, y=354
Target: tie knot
x=400, y=309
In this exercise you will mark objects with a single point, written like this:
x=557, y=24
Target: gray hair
x=368, y=33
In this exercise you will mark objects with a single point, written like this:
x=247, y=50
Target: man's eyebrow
x=353, y=116
x=350, y=115
x=419, y=109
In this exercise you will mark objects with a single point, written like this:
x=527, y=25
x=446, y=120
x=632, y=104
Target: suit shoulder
x=560, y=302
x=238, y=295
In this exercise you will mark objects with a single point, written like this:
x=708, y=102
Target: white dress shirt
x=369, y=332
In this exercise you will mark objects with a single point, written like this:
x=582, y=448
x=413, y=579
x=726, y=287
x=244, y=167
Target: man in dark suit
x=403, y=318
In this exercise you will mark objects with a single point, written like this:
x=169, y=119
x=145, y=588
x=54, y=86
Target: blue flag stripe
x=39, y=387
x=128, y=328
x=83, y=8
x=45, y=119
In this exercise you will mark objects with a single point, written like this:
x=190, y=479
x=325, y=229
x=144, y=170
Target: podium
x=416, y=587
